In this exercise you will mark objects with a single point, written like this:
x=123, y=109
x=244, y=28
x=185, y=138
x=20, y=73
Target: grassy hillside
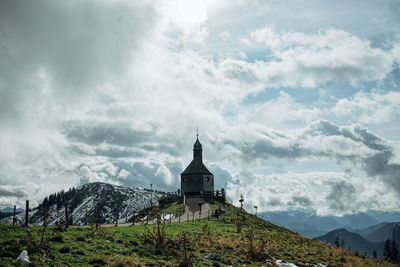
x=237, y=239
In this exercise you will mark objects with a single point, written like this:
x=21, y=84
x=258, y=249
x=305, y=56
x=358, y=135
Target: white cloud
x=326, y=193
x=280, y=112
x=370, y=108
x=117, y=98
x=308, y=60
x=123, y=174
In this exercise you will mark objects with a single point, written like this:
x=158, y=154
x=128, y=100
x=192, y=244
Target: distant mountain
x=309, y=224
x=356, y=221
x=306, y=224
x=353, y=241
x=112, y=202
x=381, y=232
x=6, y=212
x=10, y=210
x=384, y=216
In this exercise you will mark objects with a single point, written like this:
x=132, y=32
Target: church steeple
x=197, y=148
x=196, y=180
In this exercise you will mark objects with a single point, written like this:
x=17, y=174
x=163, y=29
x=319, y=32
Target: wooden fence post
x=193, y=215
x=27, y=213
x=66, y=216
x=15, y=215
x=188, y=216
x=97, y=216
x=147, y=219
x=170, y=217
x=208, y=215
x=45, y=217
x=180, y=213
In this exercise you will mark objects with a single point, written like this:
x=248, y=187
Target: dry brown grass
x=124, y=261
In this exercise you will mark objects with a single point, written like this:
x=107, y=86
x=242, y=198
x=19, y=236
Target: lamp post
x=200, y=204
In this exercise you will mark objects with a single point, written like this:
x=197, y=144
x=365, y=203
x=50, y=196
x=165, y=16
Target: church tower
x=196, y=179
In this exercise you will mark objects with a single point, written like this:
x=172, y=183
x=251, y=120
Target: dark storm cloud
x=341, y=196
x=6, y=191
x=116, y=139
x=110, y=133
x=274, y=202
x=356, y=133
x=302, y=201
x=266, y=148
x=77, y=43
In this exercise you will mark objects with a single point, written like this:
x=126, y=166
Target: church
x=196, y=179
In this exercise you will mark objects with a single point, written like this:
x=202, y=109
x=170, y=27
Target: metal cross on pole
x=241, y=201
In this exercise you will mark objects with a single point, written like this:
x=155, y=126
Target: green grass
x=220, y=244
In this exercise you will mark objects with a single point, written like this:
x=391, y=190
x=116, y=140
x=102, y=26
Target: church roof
x=196, y=166
x=197, y=144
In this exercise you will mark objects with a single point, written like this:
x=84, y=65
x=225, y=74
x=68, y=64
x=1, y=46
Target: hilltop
x=105, y=201
x=237, y=238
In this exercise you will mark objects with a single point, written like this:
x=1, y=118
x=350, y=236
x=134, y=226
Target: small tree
x=374, y=254
x=337, y=241
x=387, y=254
x=394, y=251
x=342, y=243
x=45, y=202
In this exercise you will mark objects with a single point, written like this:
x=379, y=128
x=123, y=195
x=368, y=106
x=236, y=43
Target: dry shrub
x=156, y=237
x=128, y=261
x=187, y=247
x=256, y=246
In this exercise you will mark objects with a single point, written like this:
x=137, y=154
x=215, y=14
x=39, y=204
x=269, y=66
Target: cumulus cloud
x=307, y=60
x=318, y=139
x=321, y=192
x=113, y=91
x=354, y=144
x=370, y=108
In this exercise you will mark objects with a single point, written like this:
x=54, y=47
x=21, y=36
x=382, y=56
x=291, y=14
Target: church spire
x=197, y=147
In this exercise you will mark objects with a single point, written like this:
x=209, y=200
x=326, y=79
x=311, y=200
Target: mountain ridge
x=311, y=225
x=107, y=202
x=353, y=241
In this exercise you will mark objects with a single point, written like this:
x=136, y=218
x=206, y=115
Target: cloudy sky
x=297, y=102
